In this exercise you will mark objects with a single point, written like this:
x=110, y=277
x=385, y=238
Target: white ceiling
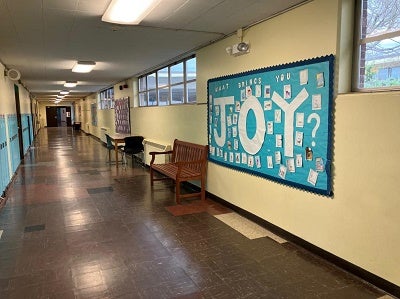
x=44, y=38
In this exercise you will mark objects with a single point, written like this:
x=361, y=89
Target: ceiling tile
x=43, y=38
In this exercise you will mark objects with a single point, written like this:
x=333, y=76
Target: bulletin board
x=275, y=123
x=122, y=118
x=93, y=109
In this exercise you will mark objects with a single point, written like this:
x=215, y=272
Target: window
x=106, y=99
x=142, y=91
x=378, y=45
x=170, y=85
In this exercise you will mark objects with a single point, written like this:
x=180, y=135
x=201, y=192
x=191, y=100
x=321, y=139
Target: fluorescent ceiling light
x=128, y=12
x=83, y=66
x=70, y=83
x=64, y=92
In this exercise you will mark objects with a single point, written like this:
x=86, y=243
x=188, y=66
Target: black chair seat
x=133, y=146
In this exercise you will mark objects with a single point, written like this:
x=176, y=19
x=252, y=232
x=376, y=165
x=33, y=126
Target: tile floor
x=76, y=227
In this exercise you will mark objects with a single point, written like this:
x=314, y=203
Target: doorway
x=19, y=121
x=58, y=116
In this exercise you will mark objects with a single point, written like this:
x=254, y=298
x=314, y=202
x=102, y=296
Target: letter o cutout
x=251, y=146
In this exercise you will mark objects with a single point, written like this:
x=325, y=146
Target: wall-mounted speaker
x=13, y=74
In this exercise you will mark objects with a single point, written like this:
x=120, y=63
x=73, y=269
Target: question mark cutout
x=317, y=123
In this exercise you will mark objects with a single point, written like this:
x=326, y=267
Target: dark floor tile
x=4, y=284
x=206, y=279
x=222, y=291
x=352, y=291
x=183, y=286
x=99, y=291
x=34, y=292
x=34, y=228
x=89, y=172
x=86, y=229
x=100, y=190
x=68, y=294
x=58, y=289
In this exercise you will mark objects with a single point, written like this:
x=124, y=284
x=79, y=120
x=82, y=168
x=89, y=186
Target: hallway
x=76, y=227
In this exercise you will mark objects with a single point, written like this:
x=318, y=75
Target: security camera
x=243, y=47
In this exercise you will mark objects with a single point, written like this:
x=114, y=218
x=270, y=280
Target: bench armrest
x=153, y=155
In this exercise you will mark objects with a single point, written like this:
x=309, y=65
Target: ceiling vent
x=13, y=74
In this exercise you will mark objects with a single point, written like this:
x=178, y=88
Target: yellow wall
x=360, y=223
x=105, y=118
x=365, y=207
x=164, y=124
x=24, y=100
x=7, y=96
x=87, y=118
x=42, y=115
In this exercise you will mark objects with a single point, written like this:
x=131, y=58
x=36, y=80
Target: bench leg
x=151, y=176
x=203, y=189
x=178, y=191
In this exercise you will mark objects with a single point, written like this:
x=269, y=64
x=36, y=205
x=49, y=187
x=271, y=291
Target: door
x=69, y=117
x=58, y=116
x=51, y=116
x=62, y=117
x=19, y=122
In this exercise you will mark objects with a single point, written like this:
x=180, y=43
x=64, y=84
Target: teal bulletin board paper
x=275, y=122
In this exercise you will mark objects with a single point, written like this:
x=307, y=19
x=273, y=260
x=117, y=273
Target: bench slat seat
x=188, y=162
x=171, y=170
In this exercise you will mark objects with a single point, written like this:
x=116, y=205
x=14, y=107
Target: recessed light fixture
x=64, y=92
x=128, y=12
x=83, y=66
x=70, y=83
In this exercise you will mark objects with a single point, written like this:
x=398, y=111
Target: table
x=118, y=139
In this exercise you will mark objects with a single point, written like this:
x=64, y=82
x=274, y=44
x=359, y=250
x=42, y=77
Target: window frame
x=360, y=41
x=104, y=103
x=144, y=92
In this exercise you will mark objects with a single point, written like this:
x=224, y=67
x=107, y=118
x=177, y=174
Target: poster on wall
x=93, y=109
x=122, y=120
x=275, y=123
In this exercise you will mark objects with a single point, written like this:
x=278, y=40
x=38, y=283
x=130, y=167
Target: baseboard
x=94, y=137
x=377, y=281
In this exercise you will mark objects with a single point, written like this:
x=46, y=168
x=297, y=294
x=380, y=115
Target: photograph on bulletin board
x=275, y=123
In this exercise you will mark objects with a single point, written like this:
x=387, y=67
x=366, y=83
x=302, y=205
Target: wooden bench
x=188, y=162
